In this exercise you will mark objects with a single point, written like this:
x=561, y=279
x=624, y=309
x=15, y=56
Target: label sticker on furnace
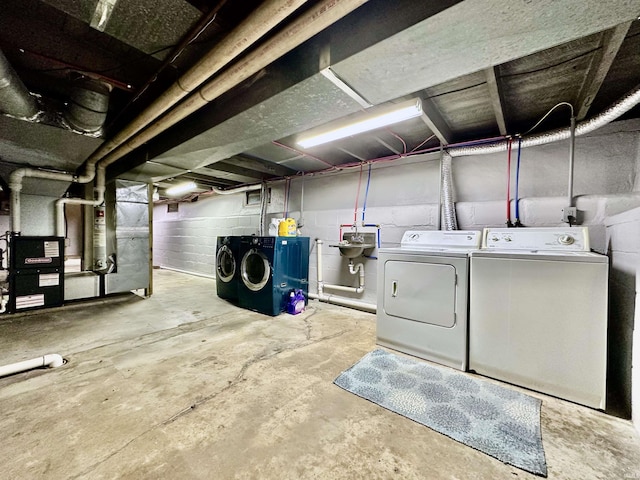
x=51, y=249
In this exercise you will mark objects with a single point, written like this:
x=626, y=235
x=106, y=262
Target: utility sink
x=355, y=244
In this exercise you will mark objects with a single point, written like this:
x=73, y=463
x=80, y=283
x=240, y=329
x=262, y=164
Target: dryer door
x=225, y=264
x=255, y=270
x=423, y=292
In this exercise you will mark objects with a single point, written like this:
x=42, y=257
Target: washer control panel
x=573, y=239
x=441, y=238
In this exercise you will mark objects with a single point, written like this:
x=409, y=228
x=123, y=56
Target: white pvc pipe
x=342, y=288
x=99, y=189
x=312, y=21
x=52, y=360
x=345, y=302
x=353, y=270
x=231, y=191
x=261, y=21
x=319, y=265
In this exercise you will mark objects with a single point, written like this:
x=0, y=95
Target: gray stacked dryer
x=422, y=295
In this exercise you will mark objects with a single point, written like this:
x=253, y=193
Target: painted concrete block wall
x=403, y=195
x=186, y=240
x=623, y=234
x=38, y=215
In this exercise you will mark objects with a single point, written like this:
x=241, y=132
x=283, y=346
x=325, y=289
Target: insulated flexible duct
x=621, y=107
x=448, y=207
x=618, y=109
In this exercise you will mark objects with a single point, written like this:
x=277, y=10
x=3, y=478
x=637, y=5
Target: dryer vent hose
x=448, y=206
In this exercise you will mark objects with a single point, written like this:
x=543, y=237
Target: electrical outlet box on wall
x=570, y=215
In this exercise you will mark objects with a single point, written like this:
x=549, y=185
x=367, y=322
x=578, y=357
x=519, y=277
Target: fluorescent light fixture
x=182, y=188
x=381, y=117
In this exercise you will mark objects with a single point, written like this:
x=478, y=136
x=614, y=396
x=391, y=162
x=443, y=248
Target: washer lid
x=549, y=255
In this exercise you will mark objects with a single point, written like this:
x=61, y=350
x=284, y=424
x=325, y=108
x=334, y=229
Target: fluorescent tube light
x=380, y=118
x=182, y=188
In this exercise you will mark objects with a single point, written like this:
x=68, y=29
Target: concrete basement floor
x=185, y=385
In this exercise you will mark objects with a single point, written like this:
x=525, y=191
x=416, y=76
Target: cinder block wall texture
x=403, y=195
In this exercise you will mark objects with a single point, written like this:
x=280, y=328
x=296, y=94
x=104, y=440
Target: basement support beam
x=258, y=165
x=496, y=98
x=229, y=173
x=432, y=117
x=600, y=64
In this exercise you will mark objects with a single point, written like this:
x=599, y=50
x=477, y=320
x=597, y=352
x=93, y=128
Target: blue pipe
x=366, y=193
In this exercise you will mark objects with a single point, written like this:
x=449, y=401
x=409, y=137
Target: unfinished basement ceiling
x=483, y=68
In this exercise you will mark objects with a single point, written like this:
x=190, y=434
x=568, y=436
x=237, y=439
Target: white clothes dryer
x=422, y=295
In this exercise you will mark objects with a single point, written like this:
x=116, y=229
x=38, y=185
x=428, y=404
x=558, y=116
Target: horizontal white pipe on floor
x=52, y=360
x=345, y=302
x=342, y=288
x=197, y=274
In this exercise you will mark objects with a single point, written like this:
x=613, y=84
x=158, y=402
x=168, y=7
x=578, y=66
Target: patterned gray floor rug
x=498, y=421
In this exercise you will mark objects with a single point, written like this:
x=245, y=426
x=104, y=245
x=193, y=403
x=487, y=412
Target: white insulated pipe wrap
x=258, y=24
x=312, y=22
x=52, y=360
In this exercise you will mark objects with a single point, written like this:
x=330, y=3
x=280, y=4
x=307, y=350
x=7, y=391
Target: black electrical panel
x=36, y=273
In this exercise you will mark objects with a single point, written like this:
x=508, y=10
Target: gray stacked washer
x=538, y=312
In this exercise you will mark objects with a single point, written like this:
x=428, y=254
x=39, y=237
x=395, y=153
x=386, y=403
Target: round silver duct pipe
x=15, y=99
x=88, y=106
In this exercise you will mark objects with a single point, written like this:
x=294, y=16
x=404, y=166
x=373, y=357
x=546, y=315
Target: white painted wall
x=403, y=195
x=623, y=235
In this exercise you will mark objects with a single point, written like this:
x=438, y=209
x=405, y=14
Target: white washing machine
x=422, y=295
x=538, y=312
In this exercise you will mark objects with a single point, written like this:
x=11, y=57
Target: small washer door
x=255, y=270
x=225, y=264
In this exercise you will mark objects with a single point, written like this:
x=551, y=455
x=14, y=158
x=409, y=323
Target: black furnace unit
x=36, y=273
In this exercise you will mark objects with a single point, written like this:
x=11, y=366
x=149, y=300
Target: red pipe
x=509, y=142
